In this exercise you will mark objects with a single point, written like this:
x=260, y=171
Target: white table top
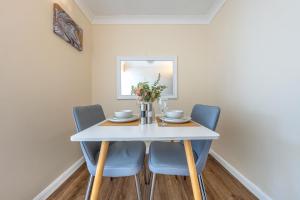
x=147, y=132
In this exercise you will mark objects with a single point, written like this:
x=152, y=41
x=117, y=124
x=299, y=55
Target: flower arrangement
x=148, y=93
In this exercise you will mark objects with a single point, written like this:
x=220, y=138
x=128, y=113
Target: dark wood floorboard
x=219, y=185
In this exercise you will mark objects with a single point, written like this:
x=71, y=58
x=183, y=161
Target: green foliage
x=148, y=93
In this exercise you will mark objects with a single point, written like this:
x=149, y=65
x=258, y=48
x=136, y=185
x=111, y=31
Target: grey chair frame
x=200, y=177
x=86, y=154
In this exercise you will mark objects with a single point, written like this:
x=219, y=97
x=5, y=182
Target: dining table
x=106, y=132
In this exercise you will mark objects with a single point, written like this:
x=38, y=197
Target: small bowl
x=175, y=114
x=123, y=114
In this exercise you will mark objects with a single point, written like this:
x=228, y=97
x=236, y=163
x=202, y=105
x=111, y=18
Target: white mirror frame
x=143, y=58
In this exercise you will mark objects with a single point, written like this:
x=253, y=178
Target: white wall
x=254, y=57
x=41, y=79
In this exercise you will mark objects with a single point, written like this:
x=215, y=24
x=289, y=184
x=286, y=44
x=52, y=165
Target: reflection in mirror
x=131, y=71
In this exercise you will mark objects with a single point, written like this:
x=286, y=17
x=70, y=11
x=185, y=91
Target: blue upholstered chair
x=123, y=158
x=169, y=157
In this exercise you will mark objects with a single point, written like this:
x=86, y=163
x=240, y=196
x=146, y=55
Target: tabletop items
x=146, y=94
x=163, y=106
x=176, y=120
x=123, y=116
x=123, y=120
x=147, y=115
x=173, y=117
x=174, y=114
x=113, y=123
x=187, y=123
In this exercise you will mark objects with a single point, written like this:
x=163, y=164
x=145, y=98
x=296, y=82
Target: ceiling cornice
x=86, y=11
x=151, y=19
x=215, y=9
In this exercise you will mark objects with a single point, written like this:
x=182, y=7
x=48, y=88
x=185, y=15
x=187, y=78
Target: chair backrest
x=85, y=117
x=207, y=116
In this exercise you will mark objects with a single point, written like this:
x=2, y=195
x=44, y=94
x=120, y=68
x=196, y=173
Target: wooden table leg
x=192, y=169
x=99, y=170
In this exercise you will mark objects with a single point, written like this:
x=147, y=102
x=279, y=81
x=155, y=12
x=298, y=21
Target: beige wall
x=188, y=42
x=41, y=78
x=254, y=53
x=245, y=62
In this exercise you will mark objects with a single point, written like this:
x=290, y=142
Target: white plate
x=123, y=120
x=176, y=121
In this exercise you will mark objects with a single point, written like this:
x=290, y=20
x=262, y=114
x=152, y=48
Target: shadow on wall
x=241, y=134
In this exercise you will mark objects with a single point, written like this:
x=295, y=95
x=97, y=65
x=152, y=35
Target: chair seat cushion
x=123, y=159
x=168, y=158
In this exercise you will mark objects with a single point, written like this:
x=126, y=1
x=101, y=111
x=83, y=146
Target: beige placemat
x=187, y=124
x=109, y=123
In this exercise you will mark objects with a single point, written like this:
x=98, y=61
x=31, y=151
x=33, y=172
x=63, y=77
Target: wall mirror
x=131, y=70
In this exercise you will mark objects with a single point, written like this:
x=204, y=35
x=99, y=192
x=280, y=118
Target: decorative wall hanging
x=66, y=28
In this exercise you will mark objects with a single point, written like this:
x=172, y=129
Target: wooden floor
x=219, y=185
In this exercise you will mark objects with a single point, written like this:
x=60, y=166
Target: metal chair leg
x=152, y=186
x=202, y=186
x=89, y=188
x=138, y=188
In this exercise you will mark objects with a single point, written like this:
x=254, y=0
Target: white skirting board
x=245, y=181
x=43, y=195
